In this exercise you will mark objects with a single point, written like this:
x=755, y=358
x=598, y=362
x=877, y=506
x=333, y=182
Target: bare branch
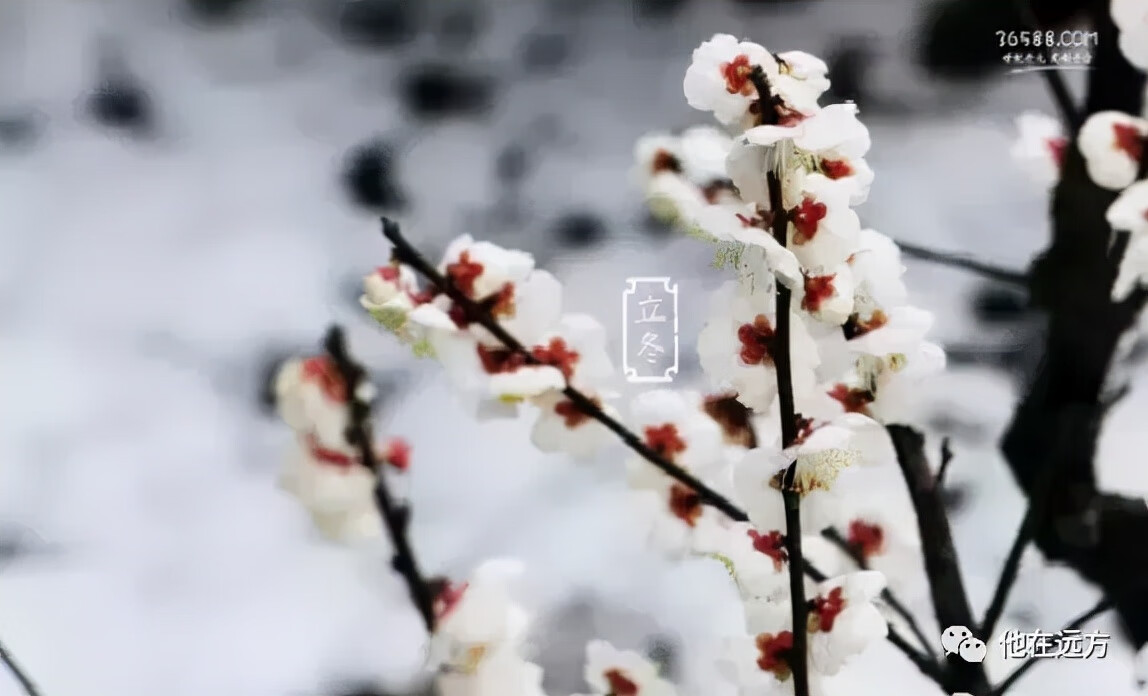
x=954, y=260
x=950, y=601
x=946, y=459
x=17, y=672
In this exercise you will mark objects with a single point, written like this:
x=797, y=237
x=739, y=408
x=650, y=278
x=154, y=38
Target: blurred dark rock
x=20, y=128
x=369, y=177
x=121, y=102
x=512, y=164
x=849, y=61
x=379, y=23
x=216, y=10
x=579, y=229
x=998, y=304
x=460, y=27
x=658, y=9
x=436, y=89
x=959, y=40
x=544, y=51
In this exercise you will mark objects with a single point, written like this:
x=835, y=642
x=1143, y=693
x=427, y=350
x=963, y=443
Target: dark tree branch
x=17, y=672
x=1034, y=516
x=1074, y=625
x=1099, y=534
x=887, y=596
x=952, y=260
x=406, y=254
x=396, y=517
x=1057, y=87
x=946, y=459
x=950, y=601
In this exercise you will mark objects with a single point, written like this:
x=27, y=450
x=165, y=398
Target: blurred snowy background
x=189, y=192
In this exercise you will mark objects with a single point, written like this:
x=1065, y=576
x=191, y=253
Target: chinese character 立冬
x=650, y=347
x=650, y=311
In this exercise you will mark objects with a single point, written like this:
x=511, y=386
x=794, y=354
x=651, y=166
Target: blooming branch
x=396, y=517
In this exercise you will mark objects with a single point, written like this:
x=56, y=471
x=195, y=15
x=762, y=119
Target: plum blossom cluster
x=809, y=351
x=325, y=470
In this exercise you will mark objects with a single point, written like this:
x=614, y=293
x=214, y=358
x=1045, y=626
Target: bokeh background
x=189, y=192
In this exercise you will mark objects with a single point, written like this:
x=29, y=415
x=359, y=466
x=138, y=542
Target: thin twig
x=946, y=459
x=1069, y=112
x=406, y=254
x=1074, y=625
x=1034, y=516
x=396, y=517
x=17, y=672
x=887, y=596
x=946, y=588
x=954, y=260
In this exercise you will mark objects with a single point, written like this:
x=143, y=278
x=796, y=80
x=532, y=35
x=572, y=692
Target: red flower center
x=389, y=273
x=665, y=162
x=557, y=354
x=817, y=290
x=572, y=416
x=685, y=504
x=463, y=273
x=1128, y=140
x=321, y=370
x=665, y=440
x=397, y=453
x=337, y=459
x=772, y=545
x=853, y=400
x=855, y=326
x=836, y=169
x=447, y=599
x=867, y=539
x=497, y=361
x=773, y=653
x=807, y=217
x=756, y=341
x=620, y=684
x=1058, y=147
x=736, y=74
x=826, y=610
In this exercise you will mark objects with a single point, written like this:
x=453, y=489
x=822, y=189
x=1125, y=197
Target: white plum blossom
x=718, y=78
x=843, y=621
x=500, y=673
x=562, y=427
x=337, y=491
x=389, y=295
x=750, y=226
x=478, y=618
x=1131, y=18
x=1112, y=143
x=827, y=295
x=822, y=453
x=1129, y=213
x=824, y=229
x=1039, y=150
x=311, y=396
x=757, y=561
x=802, y=79
x=613, y=672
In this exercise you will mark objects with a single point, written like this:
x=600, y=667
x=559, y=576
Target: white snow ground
x=141, y=281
